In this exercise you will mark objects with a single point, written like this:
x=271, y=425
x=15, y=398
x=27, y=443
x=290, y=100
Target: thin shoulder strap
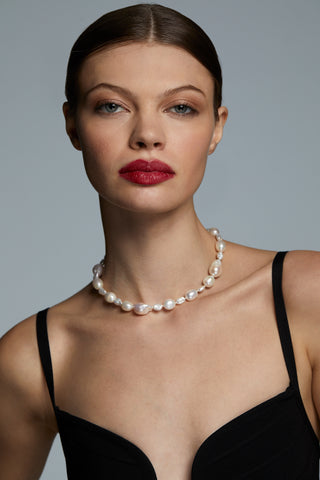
x=282, y=319
x=44, y=351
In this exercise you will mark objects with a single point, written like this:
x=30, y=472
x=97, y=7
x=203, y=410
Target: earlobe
x=218, y=129
x=71, y=126
x=212, y=147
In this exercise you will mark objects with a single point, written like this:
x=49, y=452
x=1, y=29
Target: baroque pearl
x=169, y=304
x=180, y=300
x=208, y=281
x=142, y=308
x=110, y=297
x=214, y=231
x=191, y=295
x=157, y=307
x=127, y=306
x=97, y=269
x=215, y=270
x=220, y=246
x=97, y=283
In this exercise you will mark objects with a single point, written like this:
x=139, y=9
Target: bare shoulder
x=242, y=262
x=301, y=281
x=17, y=349
x=21, y=373
x=301, y=287
x=27, y=424
x=20, y=368
x=301, y=275
x=20, y=365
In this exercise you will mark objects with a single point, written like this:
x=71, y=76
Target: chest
x=167, y=389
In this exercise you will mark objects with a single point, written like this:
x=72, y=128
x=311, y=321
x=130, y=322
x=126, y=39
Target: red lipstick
x=145, y=172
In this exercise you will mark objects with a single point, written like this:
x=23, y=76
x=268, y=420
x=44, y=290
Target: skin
x=151, y=234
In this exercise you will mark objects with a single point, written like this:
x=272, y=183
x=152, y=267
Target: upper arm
x=26, y=427
x=302, y=295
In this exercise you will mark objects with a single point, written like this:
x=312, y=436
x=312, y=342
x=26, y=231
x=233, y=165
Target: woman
x=167, y=367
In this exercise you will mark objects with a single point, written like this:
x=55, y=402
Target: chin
x=144, y=204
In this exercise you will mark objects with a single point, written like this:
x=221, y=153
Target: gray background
x=261, y=187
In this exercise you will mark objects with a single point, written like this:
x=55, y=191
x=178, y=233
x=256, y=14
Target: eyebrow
x=128, y=93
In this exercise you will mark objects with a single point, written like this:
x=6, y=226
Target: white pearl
x=141, y=308
x=169, y=304
x=214, y=231
x=191, y=295
x=208, y=281
x=110, y=297
x=97, y=283
x=220, y=246
x=180, y=300
x=216, y=263
x=127, y=306
x=215, y=268
x=157, y=307
x=97, y=269
x=216, y=271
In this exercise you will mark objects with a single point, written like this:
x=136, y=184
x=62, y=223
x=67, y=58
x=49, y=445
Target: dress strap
x=44, y=351
x=282, y=320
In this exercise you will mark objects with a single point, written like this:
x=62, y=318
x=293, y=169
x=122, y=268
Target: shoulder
x=19, y=353
x=21, y=376
x=22, y=380
x=301, y=288
x=18, y=344
x=27, y=422
x=301, y=281
x=246, y=263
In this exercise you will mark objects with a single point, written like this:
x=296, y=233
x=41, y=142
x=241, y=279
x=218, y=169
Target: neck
x=153, y=257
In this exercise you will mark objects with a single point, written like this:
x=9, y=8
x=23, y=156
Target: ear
x=71, y=126
x=218, y=128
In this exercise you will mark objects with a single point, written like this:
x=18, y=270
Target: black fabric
x=44, y=351
x=282, y=320
x=273, y=440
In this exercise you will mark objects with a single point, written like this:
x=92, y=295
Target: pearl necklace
x=169, y=304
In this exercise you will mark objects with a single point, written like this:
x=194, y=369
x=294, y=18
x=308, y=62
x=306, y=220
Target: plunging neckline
x=289, y=391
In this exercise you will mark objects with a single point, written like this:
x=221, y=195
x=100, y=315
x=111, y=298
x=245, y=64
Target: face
x=150, y=104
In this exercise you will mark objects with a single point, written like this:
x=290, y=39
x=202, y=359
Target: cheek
x=193, y=153
x=98, y=153
x=98, y=147
x=94, y=141
x=194, y=148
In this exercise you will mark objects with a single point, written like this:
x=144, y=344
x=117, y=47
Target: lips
x=145, y=172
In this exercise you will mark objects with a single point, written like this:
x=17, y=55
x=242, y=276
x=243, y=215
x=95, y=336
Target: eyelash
x=100, y=107
x=191, y=110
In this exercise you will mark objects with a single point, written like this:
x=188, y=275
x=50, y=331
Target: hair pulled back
x=143, y=22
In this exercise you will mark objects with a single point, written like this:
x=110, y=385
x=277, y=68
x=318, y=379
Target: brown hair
x=144, y=22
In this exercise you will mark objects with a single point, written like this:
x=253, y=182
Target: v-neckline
x=147, y=462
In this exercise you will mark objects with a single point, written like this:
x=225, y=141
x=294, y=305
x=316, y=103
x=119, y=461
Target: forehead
x=144, y=67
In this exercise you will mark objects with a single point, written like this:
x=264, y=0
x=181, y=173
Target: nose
x=147, y=132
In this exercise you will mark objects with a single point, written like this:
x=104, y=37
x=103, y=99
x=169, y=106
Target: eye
x=182, y=109
x=109, y=107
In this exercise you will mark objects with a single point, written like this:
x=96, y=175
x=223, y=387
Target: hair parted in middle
x=143, y=22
